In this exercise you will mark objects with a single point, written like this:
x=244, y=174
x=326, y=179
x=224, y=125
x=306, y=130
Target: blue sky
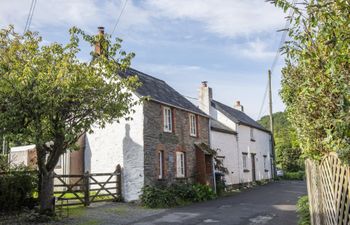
x=229, y=43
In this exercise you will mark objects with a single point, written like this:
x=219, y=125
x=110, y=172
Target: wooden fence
x=328, y=185
x=87, y=188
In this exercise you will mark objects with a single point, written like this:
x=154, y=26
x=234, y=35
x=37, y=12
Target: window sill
x=180, y=178
x=246, y=171
x=168, y=131
x=193, y=135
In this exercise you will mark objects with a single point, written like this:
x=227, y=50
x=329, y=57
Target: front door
x=253, y=166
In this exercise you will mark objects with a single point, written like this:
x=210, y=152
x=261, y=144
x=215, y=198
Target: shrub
x=294, y=175
x=175, y=195
x=303, y=211
x=16, y=189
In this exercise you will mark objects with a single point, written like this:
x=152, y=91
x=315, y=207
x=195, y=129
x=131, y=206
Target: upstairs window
x=167, y=119
x=193, y=125
x=180, y=164
x=252, y=134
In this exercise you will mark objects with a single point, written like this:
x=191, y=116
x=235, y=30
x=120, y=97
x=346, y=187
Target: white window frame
x=161, y=166
x=193, y=125
x=167, y=119
x=245, y=160
x=252, y=133
x=180, y=165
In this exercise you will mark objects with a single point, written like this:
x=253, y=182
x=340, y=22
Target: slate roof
x=161, y=92
x=237, y=116
x=217, y=126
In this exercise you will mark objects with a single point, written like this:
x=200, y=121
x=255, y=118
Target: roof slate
x=217, y=126
x=160, y=91
x=237, y=116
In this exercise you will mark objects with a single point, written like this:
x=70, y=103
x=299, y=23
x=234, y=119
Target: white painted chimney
x=238, y=106
x=205, y=97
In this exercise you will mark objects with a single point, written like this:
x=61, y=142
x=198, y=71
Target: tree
x=288, y=153
x=50, y=97
x=316, y=75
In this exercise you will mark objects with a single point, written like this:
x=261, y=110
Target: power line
x=121, y=13
x=30, y=15
x=275, y=60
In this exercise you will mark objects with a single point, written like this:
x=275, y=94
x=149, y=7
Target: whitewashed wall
x=227, y=143
x=119, y=143
x=260, y=147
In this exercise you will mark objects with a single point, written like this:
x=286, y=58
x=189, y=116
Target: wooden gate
x=87, y=188
x=328, y=185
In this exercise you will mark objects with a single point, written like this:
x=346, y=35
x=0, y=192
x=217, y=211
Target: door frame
x=252, y=156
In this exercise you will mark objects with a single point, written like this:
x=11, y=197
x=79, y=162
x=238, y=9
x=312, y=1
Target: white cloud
x=254, y=50
x=227, y=18
x=87, y=14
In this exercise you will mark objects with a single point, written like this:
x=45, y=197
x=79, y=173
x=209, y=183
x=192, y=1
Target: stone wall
x=155, y=140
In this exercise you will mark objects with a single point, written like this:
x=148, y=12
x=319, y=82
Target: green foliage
x=50, y=97
x=288, y=153
x=303, y=211
x=294, y=175
x=16, y=189
x=4, y=165
x=174, y=195
x=316, y=76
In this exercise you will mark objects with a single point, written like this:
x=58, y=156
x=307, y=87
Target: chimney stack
x=205, y=97
x=101, y=32
x=238, y=106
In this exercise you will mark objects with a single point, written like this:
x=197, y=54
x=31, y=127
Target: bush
x=175, y=195
x=294, y=175
x=16, y=189
x=303, y=211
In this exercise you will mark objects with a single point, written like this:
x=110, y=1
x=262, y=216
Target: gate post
x=119, y=181
x=86, y=183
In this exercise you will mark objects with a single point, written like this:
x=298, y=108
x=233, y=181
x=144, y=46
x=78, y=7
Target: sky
x=229, y=43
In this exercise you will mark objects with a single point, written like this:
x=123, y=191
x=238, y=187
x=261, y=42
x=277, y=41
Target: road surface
x=272, y=204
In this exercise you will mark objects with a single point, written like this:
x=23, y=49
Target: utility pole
x=271, y=126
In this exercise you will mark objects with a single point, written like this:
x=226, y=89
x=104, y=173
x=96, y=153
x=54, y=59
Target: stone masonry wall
x=155, y=140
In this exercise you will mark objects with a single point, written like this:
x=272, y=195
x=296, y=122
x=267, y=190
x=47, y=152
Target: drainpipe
x=212, y=160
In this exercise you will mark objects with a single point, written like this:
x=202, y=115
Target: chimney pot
x=101, y=30
x=205, y=83
x=238, y=106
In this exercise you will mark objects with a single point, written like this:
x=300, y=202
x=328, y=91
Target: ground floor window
x=180, y=164
x=265, y=162
x=244, y=158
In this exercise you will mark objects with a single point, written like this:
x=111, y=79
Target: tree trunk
x=46, y=196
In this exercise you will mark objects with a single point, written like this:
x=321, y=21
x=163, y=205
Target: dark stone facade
x=155, y=140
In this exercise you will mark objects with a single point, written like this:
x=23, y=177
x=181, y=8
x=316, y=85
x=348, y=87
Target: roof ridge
x=145, y=74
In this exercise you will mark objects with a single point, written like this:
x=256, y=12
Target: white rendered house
x=246, y=146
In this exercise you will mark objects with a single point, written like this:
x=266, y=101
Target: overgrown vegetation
x=294, y=175
x=303, y=211
x=17, y=186
x=288, y=152
x=316, y=75
x=175, y=195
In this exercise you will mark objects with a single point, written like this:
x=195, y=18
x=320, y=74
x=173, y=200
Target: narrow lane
x=272, y=204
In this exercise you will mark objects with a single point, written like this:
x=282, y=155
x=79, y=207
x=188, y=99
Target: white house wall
x=227, y=143
x=119, y=143
x=260, y=147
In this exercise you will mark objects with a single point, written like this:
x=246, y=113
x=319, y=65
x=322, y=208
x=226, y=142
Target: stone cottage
x=164, y=143
x=244, y=145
